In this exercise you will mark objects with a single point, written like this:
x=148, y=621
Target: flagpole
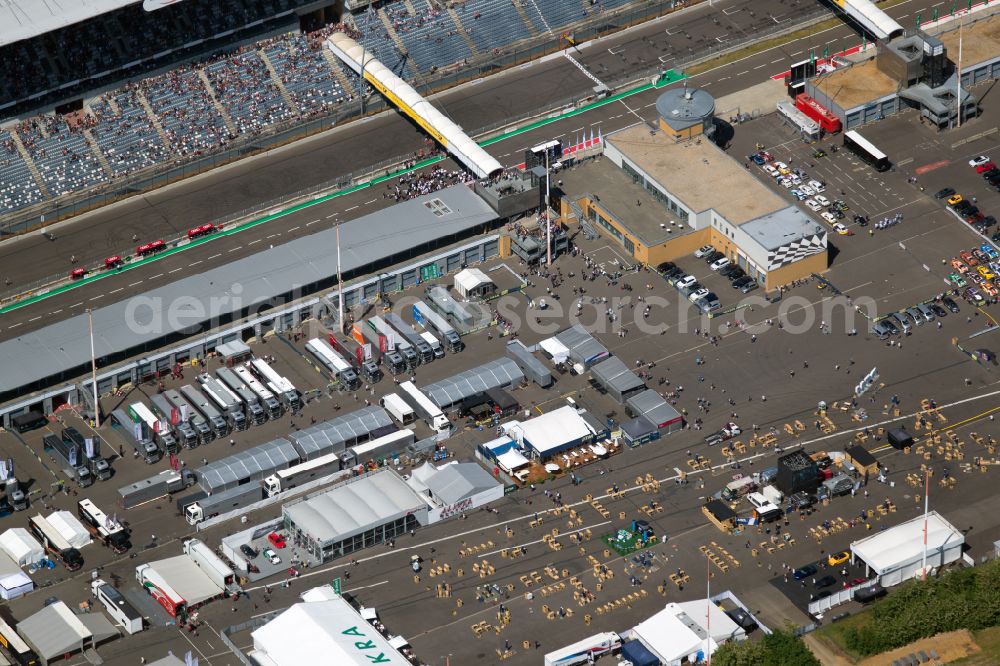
x=340, y=288
x=93, y=369
x=927, y=490
x=708, y=612
x=958, y=79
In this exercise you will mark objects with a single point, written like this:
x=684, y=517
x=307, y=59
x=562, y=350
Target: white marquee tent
x=23, y=549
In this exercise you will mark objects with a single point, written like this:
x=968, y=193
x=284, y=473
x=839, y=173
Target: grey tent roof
x=525, y=359
x=187, y=579
x=615, y=375
x=639, y=427
x=354, y=507
x=583, y=347
x=99, y=626
x=454, y=483
x=53, y=631
x=331, y=436
x=651, y=404
x=499, y=372
x=253, y=463
x=50, y=350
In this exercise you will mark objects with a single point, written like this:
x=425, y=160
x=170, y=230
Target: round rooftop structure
x=683, y=110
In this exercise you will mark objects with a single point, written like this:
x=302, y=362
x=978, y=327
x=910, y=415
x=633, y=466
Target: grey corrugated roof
x=253, y=463
x=651, y=404
x=52, y=349
x=520, y=353
x=583, y=347
x=639, y=427
x=614, y=374
x=99, y=626
x=330, y=436
x=455, y=482
x=354, y=507
x=53, y=631
x=499, y=372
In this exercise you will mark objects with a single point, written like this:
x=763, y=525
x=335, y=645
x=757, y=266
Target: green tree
x=744, y=653
x=783, y=648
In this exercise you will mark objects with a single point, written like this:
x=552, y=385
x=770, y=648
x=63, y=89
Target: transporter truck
x=251, y=401
x=393, y=338
x=424, y=350
x=191, y=415
x=204, y=406
x=264, y=395
x=133, y=434
x=210, y=563
x=432, y=321
x=425, y=408
x=70, y=458
x=91, y=447
x=184, y=433
x=161, y=485
x=225, y=400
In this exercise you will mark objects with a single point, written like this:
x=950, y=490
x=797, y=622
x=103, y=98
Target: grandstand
x=229, y=94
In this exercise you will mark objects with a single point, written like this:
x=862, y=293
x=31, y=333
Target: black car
x=804, y=572
x=995, y=237
x=938, y=310
x=823, y=594
x=727, y=271
x=825, y=581
x=989, y=221
x=742, y=282
x=944, y=194
x=992, y=173
x=963, y=206
x=742, y=619
x=736, y=274
x=861, y=220
x=666, y=266
x=672, y=272
x=951, y=305
x=837, y=213
x=713, y=256
x=248, y=550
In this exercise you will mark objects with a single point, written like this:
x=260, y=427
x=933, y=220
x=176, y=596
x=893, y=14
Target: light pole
x=93, y=369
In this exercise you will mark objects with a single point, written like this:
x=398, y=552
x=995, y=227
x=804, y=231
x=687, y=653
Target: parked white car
x=821, y=200
x=704, y=250
x=813, y=205
x=771, y=171
x=979, y=160
x=695, y=295
x=829, y=217
x=818, y=186
x=686, y=282
x=808, y=190
x=719, y=264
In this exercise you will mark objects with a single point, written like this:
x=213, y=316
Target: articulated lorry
x=265, y=396
x=70, y=458
x=394, y=341
x=91, y=447
x=432, y=321
x=132, y=432
x=206, y=408
x=190, y=414
x=227, y=402
x=210, y=563
x=276, y=383
x=167, y=413
x=425, y=407
x=252, y=406
x=199, y=506
x=155, y=487
x=424, y=350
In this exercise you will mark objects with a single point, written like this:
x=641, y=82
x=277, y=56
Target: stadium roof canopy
x=24, y=19
x=217, y=293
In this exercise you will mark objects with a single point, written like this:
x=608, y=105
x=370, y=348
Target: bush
x=781, y=648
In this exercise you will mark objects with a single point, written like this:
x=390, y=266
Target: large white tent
x=323, y=628
x=684, y=631
x=17, y=543
x=896, y=555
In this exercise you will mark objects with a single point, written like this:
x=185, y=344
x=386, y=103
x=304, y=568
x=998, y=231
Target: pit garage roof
x=613, y=374
x=496, y=373
x=256, y=462
x=331, y=436
x=904, y=543
x=583, y=347
x=49, y=351
x=24, y=19
x=455, y=482
x=54, y=631
x=327, y=631
x=354, y=507
x=651, y=404
x=187, y=579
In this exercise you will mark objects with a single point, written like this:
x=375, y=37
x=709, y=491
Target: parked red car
x=983, y=168
x=277, y=540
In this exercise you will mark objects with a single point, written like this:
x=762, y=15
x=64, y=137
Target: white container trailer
x=278, y=384
x=120, y=610
x=224, y=399
x=251, y=401
x=398, y=409
x=585, y=651
x=334, y=362
x=206, y=408
x=266, y=397
x=210, y=563
x=425, y=407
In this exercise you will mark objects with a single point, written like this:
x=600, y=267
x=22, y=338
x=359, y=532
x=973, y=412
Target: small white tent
x=70, y=528
x=15, y=585
x=17, y=543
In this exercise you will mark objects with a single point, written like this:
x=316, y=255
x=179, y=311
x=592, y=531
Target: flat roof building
x=551, y=433
x=662, y=193
x=358, y=513
x=896, y=554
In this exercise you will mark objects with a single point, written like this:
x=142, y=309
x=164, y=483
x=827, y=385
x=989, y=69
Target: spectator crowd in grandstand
x=201, y=107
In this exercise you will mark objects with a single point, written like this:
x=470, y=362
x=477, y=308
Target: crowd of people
x=412, y=185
